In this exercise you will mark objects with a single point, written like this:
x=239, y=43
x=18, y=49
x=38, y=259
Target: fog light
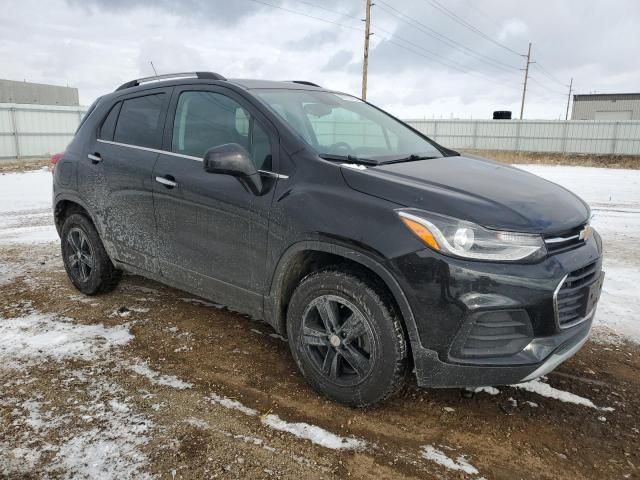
x=496, y=333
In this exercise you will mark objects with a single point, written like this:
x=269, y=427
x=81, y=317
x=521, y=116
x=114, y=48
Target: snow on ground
x=25, y=208
x=97, y=434
x=37, y=337
x=614, y=197
x=159, y=379
x=546, y=390
x=460, y=463
x=315, y=434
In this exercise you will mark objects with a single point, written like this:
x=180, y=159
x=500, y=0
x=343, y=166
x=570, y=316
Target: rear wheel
x=348, y=343
x=86, y=261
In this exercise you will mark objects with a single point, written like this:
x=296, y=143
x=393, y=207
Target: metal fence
x=553, y=136
x=28, y=131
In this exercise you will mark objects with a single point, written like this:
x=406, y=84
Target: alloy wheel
x=338, y=340
x=79, y=255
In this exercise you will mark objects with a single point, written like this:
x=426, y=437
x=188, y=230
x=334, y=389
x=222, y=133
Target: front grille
x=566, y=241
x=574, y=297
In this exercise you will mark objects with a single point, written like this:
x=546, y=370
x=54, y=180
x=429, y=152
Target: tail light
x=54, y=161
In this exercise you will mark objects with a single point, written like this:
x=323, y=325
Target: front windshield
x=342, y=125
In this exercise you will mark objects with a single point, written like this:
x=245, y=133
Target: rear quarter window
x=139, y=122
x=108, y=126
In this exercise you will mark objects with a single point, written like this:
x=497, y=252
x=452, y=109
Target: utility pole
x=566, y=116
x=526, y=77
x=365, y=63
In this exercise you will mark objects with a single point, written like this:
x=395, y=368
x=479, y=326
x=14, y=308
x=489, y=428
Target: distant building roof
x=606, y=96
x=12, y=91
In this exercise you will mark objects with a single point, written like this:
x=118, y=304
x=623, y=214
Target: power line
x=547, y=74
x=443, y=38
x=428, y=54
x=307, y=15
x=435, y=4
x=555, y=92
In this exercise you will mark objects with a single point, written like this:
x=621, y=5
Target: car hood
x=467, y=187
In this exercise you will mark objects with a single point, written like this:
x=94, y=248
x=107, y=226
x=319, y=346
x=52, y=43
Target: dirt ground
x=513, y=434
x=576, y=160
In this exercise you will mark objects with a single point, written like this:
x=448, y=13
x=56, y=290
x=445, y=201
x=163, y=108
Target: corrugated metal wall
x=39, y=131
x=553, y=136
x=28, y=131
x=588, y=108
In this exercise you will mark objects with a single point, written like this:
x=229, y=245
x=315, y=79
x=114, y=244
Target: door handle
x=167, y=181
x=94, y=157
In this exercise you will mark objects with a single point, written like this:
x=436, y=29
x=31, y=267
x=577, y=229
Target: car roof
x=190, y=78
x=250, y=84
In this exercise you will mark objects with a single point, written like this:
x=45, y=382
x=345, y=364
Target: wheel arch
x=66, y=204
x=306, y=257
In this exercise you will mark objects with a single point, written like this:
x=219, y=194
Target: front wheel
x=348, y=343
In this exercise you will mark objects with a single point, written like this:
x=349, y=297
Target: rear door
x=212, y=231
x=127, y=150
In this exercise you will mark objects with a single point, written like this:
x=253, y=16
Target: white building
x=606, y=106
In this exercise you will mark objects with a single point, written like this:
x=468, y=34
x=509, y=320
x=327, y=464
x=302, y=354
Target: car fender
x=273, y=303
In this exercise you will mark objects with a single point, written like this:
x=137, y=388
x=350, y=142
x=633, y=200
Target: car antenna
x=154, y=68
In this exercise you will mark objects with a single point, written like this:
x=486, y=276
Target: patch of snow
x=38, y=337
x=25, y=208
x=110, y=451
x=106, y=444
x=197, y=422
x=315, y=434
x=27, y=235
x=460, y=463
x=20, y=192
x=489, y=390
x=449, y=409
x=159, y=379
x=232, y=404
x=546, y=390
x=531, y=404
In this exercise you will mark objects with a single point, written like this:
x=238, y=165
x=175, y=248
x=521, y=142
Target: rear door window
x=139, y=122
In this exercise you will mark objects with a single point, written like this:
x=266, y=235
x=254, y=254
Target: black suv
x=372, y=248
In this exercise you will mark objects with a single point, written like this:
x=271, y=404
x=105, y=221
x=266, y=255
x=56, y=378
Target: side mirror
x=233, y=159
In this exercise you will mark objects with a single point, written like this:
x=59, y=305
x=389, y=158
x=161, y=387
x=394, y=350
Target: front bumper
x=483, y=323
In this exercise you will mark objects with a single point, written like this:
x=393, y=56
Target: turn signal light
x=422, y=232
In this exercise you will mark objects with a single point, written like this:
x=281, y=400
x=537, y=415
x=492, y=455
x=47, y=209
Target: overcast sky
x=423, y=63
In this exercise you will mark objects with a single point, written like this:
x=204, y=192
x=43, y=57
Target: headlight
x=467, y=240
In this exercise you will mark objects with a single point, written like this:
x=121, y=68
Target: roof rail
x=304, y=82
x=167, y=76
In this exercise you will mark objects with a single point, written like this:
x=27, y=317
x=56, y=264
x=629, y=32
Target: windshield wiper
x=349, y=158
x=410, y=158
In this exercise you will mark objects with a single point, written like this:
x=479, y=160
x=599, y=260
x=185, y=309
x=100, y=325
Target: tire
x=86, y=261
x=359, y=356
